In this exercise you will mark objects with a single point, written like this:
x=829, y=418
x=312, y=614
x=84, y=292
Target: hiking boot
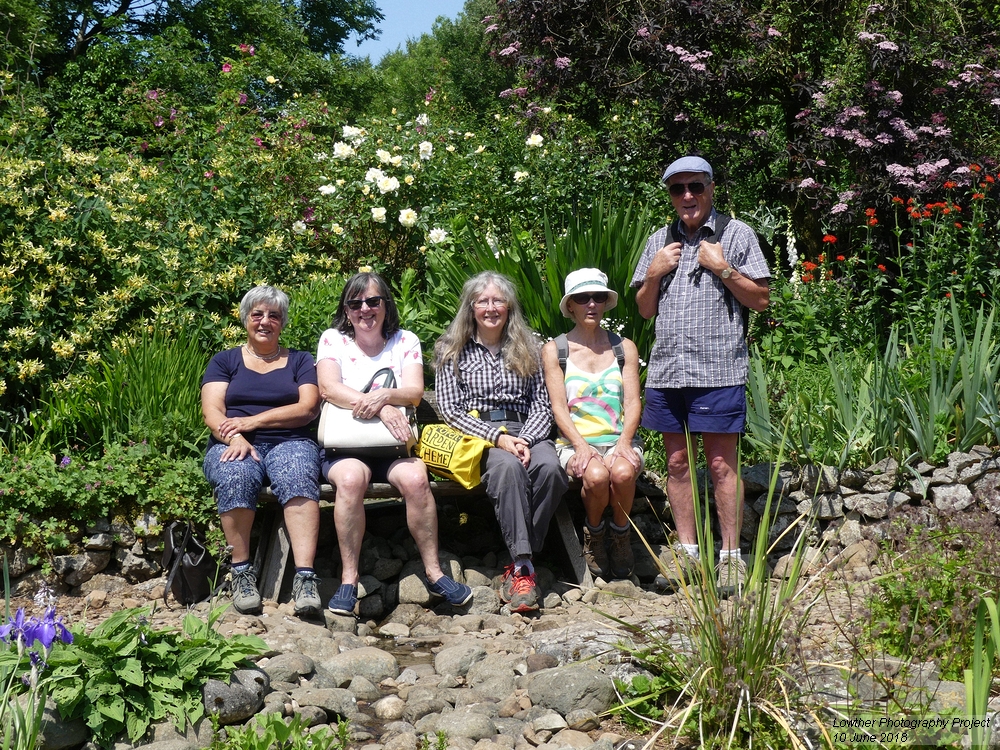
x=732, y=576
x=345, y=600
x=620, y=553
x=246, y=597
x=595, y=551
x=519, y=589
x=455, y=593
x=305, y=594
x=678, y=567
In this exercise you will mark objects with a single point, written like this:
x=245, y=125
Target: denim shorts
x=291, y=467
x=719, y=410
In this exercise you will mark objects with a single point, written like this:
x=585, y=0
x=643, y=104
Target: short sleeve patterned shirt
x=700, y=341
x=357, y=368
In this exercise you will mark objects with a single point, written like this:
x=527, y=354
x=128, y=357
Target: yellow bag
x=452, y=454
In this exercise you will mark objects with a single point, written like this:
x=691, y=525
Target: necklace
x=263, y=357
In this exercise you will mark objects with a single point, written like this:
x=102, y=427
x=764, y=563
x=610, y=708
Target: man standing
x=697, y=373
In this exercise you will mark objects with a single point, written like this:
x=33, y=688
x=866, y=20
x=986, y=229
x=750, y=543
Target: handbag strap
x=176, y=558
x=389, y=382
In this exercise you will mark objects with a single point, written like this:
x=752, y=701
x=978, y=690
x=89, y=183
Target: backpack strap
x=562, y=350
x=176, y=556
x=618, y=349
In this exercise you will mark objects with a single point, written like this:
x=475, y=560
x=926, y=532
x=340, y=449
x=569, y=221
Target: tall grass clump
x=147, y=389
x=723, y=669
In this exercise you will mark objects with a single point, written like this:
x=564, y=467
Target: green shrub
x=125, y=674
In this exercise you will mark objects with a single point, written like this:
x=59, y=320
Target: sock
x=240, y=566
x=524, y=562
x=599, y=527
x=727, y=553
x=692, y=549
x=302, y=571
x=619, y=529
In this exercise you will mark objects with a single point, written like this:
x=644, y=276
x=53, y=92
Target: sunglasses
x=583, y=298
x=679, y=188
x=372, y=302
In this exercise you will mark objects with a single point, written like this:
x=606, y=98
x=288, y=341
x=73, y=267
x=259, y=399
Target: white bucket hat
x=587, y=280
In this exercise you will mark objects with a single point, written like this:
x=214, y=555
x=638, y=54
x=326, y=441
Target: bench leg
x=272, y=571
x=571, y=543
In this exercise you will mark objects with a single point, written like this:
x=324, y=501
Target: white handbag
x=342, y=434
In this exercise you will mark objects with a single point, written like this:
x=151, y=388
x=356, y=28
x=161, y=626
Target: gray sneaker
x=246, y=597
x=620, y=552
x=305, y=594
x=732, y=576
x=678, y=567
x=595, y=550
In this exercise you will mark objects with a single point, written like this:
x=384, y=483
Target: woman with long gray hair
x=490, y=384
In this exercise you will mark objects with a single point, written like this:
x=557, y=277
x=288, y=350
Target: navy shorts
x=378, y=466
x=292, y=467
x=721, y=410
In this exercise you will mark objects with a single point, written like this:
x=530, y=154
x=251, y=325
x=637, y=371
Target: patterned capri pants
x=292, y=467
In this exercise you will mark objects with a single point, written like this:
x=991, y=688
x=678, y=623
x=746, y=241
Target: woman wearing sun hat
x=592, y=377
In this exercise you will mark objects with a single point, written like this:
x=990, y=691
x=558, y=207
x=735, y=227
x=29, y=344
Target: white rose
x=342, y=151
x=426, y=149
x=374, y=175
x=378, y=214
x=437, y=236
x=520, y=176
x=383, y=155
x=300, y=227
x=407, y=217
x=534, y=140
x=388, y=185
x=423, y=119
x=327, y=189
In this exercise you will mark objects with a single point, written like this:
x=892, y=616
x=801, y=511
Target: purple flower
x=771, y=31
x=241, y=99
x=226, y=67
x=562, y=63
x=66, y=461
x=158, y=121
x=642, y=33
x=512, y=49
x=888, y=46
x=491, y=28
x=152, y=94
x=808, y=182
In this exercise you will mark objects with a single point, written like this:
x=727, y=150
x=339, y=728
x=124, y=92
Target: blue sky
x=404, y=19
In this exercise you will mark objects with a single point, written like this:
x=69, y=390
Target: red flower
x=958, y=225
x=822, y=257
x=988, y=178
x=829, y=238
x=897, y=200
x=909, y=201
x=872, y=221
x=926, y=214
x=954, y=273
x=869, y=212
x=829, y=274
x=808, y=265
x=956, y=207
x=978, y=196
x=949, y=185
x=881, y=268
x=975, y=167
x=946, y=210
x=841, y=258
x=807, y=277
x=947, y=295
x=909, y=244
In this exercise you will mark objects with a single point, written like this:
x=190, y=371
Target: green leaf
x=131, y=672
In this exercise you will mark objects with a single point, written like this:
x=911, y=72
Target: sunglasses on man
x=372, y=302
x=583, y=298
x=679, y=188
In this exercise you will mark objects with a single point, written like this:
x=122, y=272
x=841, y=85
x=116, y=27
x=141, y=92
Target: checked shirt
x=485, y=384
x=700, y=340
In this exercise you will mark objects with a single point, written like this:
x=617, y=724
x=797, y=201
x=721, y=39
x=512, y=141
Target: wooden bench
x=272, y=554
x=271, y=558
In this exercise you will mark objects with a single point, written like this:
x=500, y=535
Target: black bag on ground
x=191, y=570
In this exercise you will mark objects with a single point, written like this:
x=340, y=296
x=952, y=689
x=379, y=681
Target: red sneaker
x=519, y=589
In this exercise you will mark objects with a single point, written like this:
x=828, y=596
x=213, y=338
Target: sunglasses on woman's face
x=372, y=302
x=679, y=188
x=583, y=298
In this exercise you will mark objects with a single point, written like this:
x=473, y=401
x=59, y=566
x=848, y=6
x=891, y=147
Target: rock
x=289, y=667
x=402, y=741
x=389, y=708
x=987, y=491
x=334, y=701
x=875, y=505
x=484, y=601
x=568, y=688
x=102, y=542
x=465, y=723
x=371, y=607
x=394, y=630
x=136, y=568
x=19, y=563
x=757, y=478
x=371, y=663
x=364, y=690
x=457, y=659
x=537, y=662
x=240, y=699
x=572, y=738
x=387, y=568
x=57, y=733
x=826, y=507
x=76, y=569
x=583, y=719
x=952, y=497
x=817, y=478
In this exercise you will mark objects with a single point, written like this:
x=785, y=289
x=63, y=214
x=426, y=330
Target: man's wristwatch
x=726, y=272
